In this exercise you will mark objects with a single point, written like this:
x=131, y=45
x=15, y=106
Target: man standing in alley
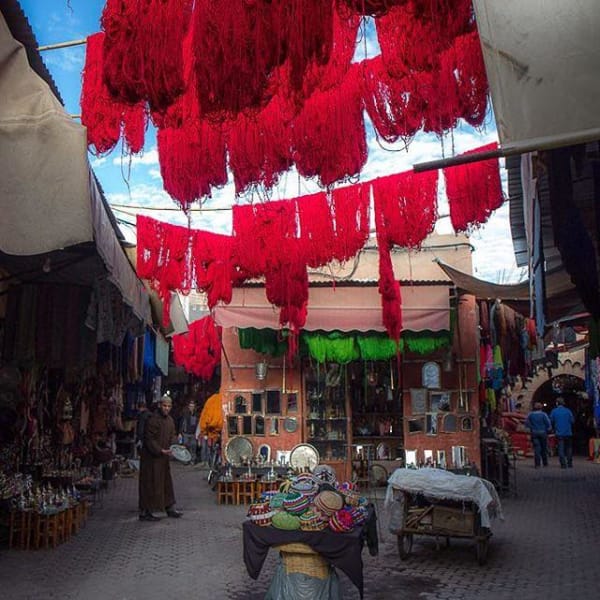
x=188, y=428
x=538, y=423
x=155, y=483
x=562, y=422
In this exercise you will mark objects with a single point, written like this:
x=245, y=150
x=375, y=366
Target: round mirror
x=290, y=424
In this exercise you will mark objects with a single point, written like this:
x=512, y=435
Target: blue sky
x=137, y=181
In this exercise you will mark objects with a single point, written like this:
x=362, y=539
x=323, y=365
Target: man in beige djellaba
x=155, y=483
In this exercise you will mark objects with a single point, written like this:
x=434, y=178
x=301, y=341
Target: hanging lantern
x=260, y=370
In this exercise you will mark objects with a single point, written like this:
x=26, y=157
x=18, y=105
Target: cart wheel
x=405, y=542
x=482, y=550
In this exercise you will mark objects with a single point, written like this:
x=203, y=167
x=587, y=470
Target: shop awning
x=48, y=196
x=424, y=308
x=562, y=298
x=542, y=59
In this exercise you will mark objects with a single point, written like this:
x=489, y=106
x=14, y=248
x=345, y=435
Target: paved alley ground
x=547, y=548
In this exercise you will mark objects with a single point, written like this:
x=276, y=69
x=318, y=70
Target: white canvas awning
x=424, y=307
x=48, y=196
x=542, y=59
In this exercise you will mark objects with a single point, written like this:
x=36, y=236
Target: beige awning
x=343, y=308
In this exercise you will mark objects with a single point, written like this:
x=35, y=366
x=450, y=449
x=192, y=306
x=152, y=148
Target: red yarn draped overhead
x=259, y=229
x=474, y=191
x=143, y=50
x=405, y=207
x=236, y=46
x=259, y=145
x=192, y=159
x=395, y=106
x=163, y=257
x=316, y=229
x=328, y=136
x=213, y=267
x=199, y=350
x=100, y=114
x=373, y=8
x=389, y=289
x=462, y=66
x=135, y=121
x=330, y=74
x=351, y=220
x=308, y=32
x=413, y=35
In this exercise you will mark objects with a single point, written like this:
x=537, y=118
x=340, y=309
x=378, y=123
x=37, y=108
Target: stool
x=49, y=530
x=226, y=492
x=267, y=486
x=20, y=528
x=246, y=489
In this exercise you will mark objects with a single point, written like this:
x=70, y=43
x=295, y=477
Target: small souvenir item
x=181, y=454
x=284, y=520
x=260, y=513
x=341, y=522
x=328, y=502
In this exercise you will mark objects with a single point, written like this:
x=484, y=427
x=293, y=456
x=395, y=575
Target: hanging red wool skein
x=405, y=207
x=236, y=45
x=350, y=207
x=328, y=136
x=316, y=229
x=389, y=289
x=192, y=159
x=100, y=114
x=199, y=350
x=212, y=266
x=474, y=191
x=395, y=106
x=143, y=50
x=413, y=35
x=259, y=145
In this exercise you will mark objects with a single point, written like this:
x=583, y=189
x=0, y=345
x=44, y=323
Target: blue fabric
x=538, y=422
x=565, y=450
x=562, y=421
x=540, y=449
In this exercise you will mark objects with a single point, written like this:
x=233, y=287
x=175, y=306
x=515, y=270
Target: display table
x=342, y=550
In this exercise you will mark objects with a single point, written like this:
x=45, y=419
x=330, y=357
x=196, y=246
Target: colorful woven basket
x=341, y=521
x=296, y=503
x=328, y=502
x=260, y=513
x=313, y=521
x=283, y=520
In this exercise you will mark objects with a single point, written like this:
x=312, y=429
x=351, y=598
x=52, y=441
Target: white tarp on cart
x=438, y=484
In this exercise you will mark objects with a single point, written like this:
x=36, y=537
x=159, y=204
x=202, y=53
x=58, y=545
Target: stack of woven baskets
x=311, y=504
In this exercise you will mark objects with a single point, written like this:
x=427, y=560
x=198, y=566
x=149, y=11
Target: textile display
x=211, y=417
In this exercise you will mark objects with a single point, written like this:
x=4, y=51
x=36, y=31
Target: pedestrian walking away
x=562, y=421
x=539, y=425
x=155, y=483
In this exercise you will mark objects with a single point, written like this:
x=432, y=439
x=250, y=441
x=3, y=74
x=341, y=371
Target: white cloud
x=147, y=157
x=154, y=174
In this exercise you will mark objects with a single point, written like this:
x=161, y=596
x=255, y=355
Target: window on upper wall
x=259, y=425
x=273, y=402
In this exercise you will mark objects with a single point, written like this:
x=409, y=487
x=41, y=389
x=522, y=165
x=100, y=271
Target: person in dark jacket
x=155, y=482
x=188, y=426
x=562, y=420
x=539, y=425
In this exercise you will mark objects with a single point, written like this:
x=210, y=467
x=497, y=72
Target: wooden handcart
x=442, y=520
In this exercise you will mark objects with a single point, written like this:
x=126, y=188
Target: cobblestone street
x=546, y=548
